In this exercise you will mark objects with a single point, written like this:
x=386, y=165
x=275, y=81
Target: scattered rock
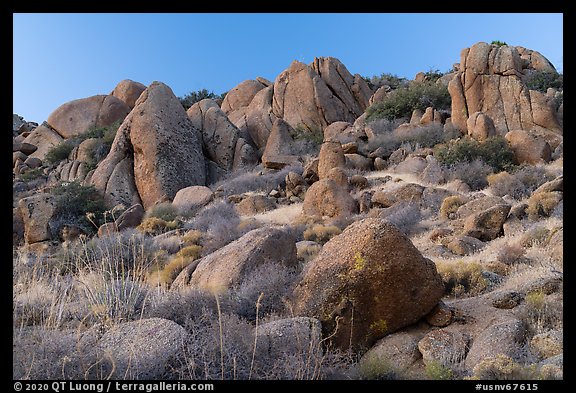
x=528, y=147
x=486, y=225
x=350, y=148
x=506, y=299
x=36, y=212
x=278, y=151
x=464, y=245
x=480, y=126
x=358, y=182
x=410, y=192
x=502, y=338
x=397, y=352
x=191, y=199
x=234, y=263
x=33, y=162
x=328, y=198
x=331, y=156
x=441, y=315
x=255, y=204
x=130, y=218
x=373, y=274
x=357, y=161
x=44, y=138
x=448, y=348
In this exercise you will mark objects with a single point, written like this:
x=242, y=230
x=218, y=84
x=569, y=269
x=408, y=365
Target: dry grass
x=462, y=278
x=321, y=233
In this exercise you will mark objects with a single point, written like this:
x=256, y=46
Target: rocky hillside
x=321, y=226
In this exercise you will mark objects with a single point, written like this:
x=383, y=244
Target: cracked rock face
x=308, y=97
x=490, y=81
x=156, y=152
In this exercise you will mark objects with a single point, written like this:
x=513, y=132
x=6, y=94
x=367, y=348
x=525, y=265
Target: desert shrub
x=498, y=43
x=433, y=75
x=31, y=174
x=272, y=282
x=155, y=226
x=304, y=132
x=386, y=79
x=306, y=253
x=473, y=173
x=112, y=298
x=401, y=102
x=450, y=206
x=532, y=176
x=120, y=251
x=510, y=253
x=219, y=224
x=192, y=237
x=438, y=372
x=494, y=151
x=543, y=80
x=320, y=233
x=404, y=215
x=424, y=136
x=502, y=368
x=461, y=278
x=504, y=183
x=265, y=181
x=165, y=211
x=543, y=204
x=195, y=96
x=541, y=313
x=375, y=368
x=79, y=205
x=183, y=258
x=61, y=151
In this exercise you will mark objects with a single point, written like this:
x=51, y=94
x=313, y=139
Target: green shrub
x=542, y=80
x=386, y=79
x=78, y=205
x=155, y=226
x=165, y=211
x=61, y=152
x=195, y=96
x=438, y=372
x=30, y=175
x=494, y=151
x=433, y=75
x=401, y=102
x=498, y=43
x=312, y=134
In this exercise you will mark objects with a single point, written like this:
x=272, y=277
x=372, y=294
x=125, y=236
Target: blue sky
x=61, y=57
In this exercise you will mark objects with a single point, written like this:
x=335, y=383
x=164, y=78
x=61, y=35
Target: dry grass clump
x=503, y=368
x=462, y=278
x=155, y=226
x=543, y=204
x=320, y=233
x=510, y=253
x=450, y=205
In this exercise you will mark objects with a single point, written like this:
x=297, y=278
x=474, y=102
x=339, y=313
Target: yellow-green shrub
x=462, y=277
x=450, y=205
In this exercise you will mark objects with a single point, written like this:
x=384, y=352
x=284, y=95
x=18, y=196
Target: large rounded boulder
x=367, y=282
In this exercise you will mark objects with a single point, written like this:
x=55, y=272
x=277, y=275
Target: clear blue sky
x=61, y=57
